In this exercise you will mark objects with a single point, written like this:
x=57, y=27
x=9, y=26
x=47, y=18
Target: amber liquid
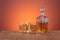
x=43, y=27
x=33, y=28
x=23, y=28
x=40, y=27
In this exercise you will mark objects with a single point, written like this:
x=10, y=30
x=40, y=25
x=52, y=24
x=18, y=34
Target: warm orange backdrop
x=14, y=11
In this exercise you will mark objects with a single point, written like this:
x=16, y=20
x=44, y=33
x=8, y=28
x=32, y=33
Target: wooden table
x=15, y=35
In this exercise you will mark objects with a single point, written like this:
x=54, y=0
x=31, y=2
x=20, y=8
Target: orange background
x=14, y=11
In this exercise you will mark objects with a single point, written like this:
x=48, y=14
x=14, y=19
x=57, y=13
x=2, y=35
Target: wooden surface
x=11, y=35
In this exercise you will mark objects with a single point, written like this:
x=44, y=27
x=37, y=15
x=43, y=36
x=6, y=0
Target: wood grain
x=15, y=35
